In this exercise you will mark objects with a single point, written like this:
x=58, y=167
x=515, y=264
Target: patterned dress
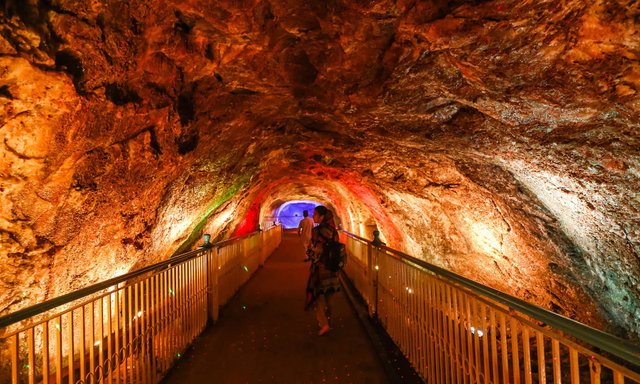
x=321, y=281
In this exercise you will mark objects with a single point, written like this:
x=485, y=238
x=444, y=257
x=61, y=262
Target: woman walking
x=322, y=282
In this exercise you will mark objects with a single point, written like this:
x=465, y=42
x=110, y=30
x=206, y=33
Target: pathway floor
x=264, y=335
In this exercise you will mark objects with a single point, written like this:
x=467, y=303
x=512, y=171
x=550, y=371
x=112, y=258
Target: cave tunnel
x=498, y=140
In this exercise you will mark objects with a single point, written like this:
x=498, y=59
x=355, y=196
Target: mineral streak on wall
x=497, y=139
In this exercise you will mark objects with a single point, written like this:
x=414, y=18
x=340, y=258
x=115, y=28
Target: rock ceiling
x=498, y=139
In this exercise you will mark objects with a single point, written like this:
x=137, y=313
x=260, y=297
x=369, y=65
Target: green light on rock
x=245, y=268
x=215, y=203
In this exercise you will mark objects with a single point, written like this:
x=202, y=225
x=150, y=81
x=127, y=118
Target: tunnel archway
x=290, y=213
x=526, y=188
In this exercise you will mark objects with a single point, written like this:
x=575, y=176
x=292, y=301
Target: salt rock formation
x=497, y=139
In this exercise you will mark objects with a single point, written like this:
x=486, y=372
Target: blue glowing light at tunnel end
x=290, y=213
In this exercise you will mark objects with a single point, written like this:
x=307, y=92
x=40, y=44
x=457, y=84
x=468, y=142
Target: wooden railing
x=133, y=328
x=454, y=330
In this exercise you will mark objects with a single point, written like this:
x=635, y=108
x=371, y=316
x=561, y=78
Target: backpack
x=335, y=255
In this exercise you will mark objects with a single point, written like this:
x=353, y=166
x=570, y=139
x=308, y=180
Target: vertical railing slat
x=117, y=298
x=92, y=360
x=162, y=336
x=193, y=299
x=438, y=327
x=424, y=336
x=70, y=348
x=457, y=337
x=542, y=372
x=215, y=285
x=166, y=299
x=82, y=341
x=128, y=322
x=485, y=344
x=515, y=350
x=453, y=365
x=430, y=331
x=173, y=316
x=100, y=366
x=594, y=370
x=526, y=349
x=45, y=352
x=146, y=329
x=14, y=347
x=555, y=352
x=188, y=274
x=464, y=338
x=58, y=326
x=476, y=339
x=184, y=330
x=469, y=336
x=573, y=365
x=142, y=319
x=179, y=296
x=169, y=318
x=135, y=322
x=179, y=325
x=618, y=378
x=154, y=354
x=31, y=346
x=493, y=329
x=504, y=348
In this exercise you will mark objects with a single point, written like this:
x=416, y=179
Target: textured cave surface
x=497, y=139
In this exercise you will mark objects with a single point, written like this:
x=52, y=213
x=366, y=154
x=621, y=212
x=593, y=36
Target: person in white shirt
x=304, y=230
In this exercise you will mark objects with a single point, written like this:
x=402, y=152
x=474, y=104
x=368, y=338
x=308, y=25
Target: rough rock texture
x=498, y=139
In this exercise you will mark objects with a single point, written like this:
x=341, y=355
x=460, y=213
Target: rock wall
x=497, y=139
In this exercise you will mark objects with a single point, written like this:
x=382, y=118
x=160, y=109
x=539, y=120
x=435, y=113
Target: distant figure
x=304, y=230
x=376, y=239
x=322, y=282
x=206, y=244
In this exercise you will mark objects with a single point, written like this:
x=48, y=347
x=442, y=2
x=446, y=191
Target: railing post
x=209, y=270
x=212, y=283
x=371, y=281
x=262, y=248
x=374, y=258
x=375, y=251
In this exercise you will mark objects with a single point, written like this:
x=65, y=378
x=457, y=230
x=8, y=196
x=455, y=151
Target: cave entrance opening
x=289, y=213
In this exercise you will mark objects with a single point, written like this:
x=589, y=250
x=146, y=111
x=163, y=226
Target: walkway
x=264, y=336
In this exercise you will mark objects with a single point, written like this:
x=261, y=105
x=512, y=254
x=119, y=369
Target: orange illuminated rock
x=498, y=140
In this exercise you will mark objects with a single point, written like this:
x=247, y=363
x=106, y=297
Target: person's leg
x=321, y=315
x=320, y=309
x=327, y=304
x=304, y=248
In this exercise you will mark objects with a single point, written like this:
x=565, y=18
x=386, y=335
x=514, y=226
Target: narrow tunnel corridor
x=497, y=140
x=264, y=335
